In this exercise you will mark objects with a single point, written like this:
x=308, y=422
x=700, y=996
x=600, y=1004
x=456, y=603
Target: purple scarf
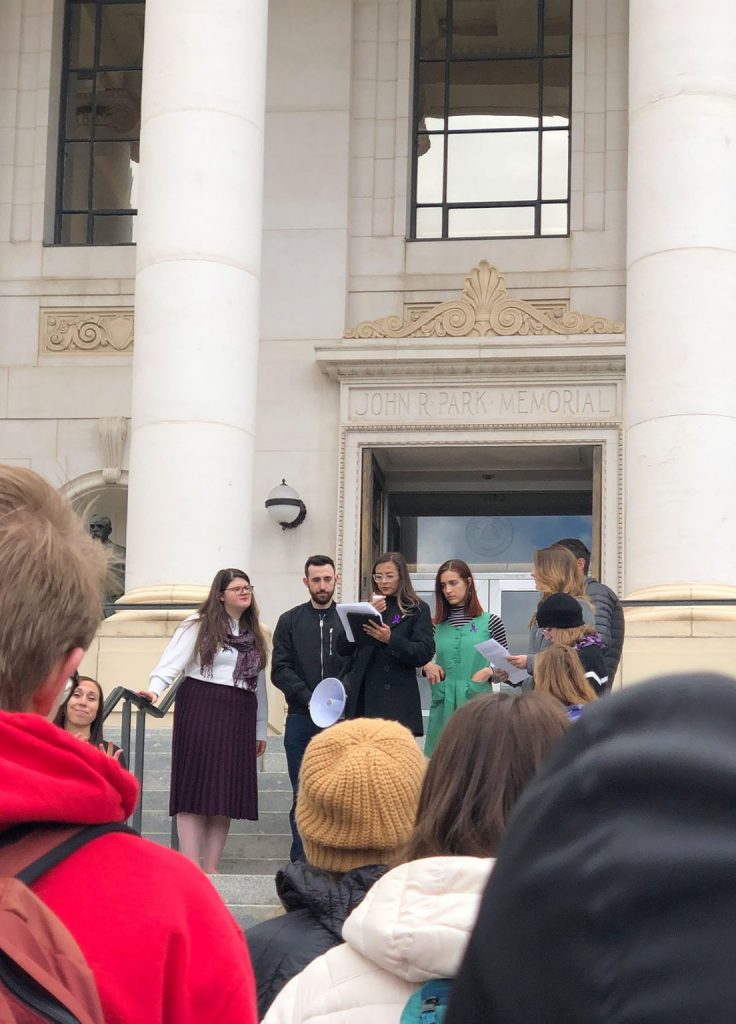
x=590, y=640
x=248, y=663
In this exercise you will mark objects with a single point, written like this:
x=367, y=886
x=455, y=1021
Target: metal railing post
x=140, y=753
x=125, y=730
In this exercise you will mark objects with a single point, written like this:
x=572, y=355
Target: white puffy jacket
x=412, y=926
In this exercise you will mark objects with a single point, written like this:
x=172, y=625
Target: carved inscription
x=495, y=403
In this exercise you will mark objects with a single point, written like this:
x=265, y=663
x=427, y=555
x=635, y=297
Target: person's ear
x=305, y=581
x=337, y=577
x=47, y=698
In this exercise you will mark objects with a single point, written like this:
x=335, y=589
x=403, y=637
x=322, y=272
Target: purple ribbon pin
x=395, y=620
x=473, y=628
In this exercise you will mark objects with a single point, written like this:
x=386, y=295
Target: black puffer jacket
x=316, y=905
x=609, y=622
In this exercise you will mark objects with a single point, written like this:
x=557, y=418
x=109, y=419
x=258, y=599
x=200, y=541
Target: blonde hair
x=569, y=637
x=54, y=577
x=557, y=572
x=558, y=671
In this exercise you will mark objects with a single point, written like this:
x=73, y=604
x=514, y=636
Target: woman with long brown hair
x=382, y=673
x=555, y=571
x=458, y=672
x=559, y=672
x=221, y=715
x=411, y=928
x=81, y=714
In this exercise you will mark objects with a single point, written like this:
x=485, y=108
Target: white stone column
x=197, y=294
x=680, y=412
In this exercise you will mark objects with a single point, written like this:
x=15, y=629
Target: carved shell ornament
x=485, y=309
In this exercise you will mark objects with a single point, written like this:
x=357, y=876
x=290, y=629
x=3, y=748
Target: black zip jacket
x=305, y=653
x=317, y=905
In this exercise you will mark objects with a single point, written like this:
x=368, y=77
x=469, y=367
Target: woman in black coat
x=383, y=675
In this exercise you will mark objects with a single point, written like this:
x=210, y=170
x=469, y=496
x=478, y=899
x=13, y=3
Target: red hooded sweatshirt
x=162, y=945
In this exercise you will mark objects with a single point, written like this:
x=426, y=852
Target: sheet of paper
x=497, y=655
x=360, y=608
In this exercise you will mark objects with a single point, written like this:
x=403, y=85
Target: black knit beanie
x=614, y=894
x=560, y=611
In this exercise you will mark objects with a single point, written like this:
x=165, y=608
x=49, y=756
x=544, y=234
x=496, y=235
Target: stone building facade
x=460, y=273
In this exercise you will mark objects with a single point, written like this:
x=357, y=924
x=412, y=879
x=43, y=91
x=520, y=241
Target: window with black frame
x=491, y=138
x=100, y=122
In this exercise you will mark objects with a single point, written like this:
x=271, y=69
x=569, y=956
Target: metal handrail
x=144, y=708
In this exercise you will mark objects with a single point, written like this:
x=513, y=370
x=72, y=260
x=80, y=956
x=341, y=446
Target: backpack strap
x=32, y=850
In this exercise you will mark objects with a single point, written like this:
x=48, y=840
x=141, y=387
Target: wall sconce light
x=286, y=507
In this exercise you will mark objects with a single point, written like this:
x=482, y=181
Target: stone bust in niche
x=100, y=527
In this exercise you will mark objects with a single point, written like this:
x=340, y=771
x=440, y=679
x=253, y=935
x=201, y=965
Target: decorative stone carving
x=112, y=431
x=74, y=330
x=485, y=309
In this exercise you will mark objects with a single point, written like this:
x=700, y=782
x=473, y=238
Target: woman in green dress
x=458, y=671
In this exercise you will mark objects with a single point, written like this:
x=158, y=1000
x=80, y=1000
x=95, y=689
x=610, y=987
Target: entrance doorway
x=492, y=506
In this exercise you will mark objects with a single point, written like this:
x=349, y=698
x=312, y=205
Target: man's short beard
x=322, y=598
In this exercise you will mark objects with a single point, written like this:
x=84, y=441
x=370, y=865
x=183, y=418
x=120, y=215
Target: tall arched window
x=491, y=139
x=100, y=122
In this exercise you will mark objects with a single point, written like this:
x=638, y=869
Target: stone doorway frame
x=354, y=439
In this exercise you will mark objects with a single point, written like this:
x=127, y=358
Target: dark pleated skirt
x=213, y=754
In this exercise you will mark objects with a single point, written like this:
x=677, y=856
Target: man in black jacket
x=304, y=653
x=609, y=615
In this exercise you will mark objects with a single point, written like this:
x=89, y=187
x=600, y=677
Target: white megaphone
x=328, y=702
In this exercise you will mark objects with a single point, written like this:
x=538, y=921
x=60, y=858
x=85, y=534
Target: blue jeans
x=298, y=731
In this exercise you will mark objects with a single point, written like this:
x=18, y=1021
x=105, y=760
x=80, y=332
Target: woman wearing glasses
x=383, y=672
x=221, y=716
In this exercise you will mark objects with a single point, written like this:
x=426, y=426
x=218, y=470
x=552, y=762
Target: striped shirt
x=496, y=629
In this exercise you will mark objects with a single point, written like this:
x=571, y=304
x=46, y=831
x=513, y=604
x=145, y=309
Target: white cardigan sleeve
x=177, y=656
x=262, y=712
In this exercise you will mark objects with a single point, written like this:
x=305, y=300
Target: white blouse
x=179, y=659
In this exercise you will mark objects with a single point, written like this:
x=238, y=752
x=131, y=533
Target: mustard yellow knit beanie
x=359, y=788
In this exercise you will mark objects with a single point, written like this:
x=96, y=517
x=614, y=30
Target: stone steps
x=254, y=851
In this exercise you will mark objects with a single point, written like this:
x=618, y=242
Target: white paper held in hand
x=497, y=655
x=360, y=608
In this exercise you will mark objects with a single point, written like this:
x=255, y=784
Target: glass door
x=512, y=596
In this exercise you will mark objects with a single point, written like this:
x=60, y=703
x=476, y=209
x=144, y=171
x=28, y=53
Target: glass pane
x=432, y=27
x=480, y=28
x=118, y=105
x=517, y=608
x=496, y=222
x=79, y=105
x=492, y=168
x=494, y=543
x=113, y=230
x=76, y=176
x=557, y=23
x=429, y=168
x=554, y=219
x=74, y=229
x=82, y=35
x=113, y=176
x=431, y=86
x=494, y=94
x=429, y=222
x=121, y=35
x=556, y=91
x=554, y=165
